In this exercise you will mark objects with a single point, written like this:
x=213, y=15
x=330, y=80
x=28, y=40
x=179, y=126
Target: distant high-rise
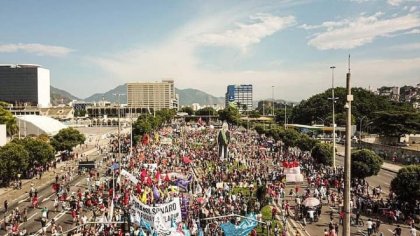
x=25, y=85
x=153, y=96
x=239, y=96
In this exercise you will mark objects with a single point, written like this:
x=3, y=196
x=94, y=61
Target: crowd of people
x=213, y=188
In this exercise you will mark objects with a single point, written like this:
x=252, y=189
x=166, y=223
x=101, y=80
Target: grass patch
x=243, y=191
x=266, y=216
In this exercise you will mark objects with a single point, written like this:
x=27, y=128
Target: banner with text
x=170, y=211
x=128, y=175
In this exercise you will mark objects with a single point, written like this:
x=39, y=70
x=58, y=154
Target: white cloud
x=244, y=35
x=36, y=48
x=399, y=2
x=414, y=31
x=413, y=8
x=347, y=34
x=395, y=2
x=406, y=47
x=177, y=58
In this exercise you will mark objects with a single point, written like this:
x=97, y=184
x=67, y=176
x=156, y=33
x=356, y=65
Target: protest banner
x=128, y=175
x=170, y=210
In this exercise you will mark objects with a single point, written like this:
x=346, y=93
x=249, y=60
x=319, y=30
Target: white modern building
x=25, y=85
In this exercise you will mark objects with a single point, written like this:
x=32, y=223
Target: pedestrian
x=369, y=224
x=273, y=213
x=397, y=231
x=6, y=205
x=413, y=231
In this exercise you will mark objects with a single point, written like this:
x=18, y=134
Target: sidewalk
x=391, y=167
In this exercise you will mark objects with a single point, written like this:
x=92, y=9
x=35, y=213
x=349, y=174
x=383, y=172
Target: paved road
x=46, y=199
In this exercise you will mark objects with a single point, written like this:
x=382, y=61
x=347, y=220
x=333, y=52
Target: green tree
x=365, y=103
x=306, y=143
x=39, y=151
x=206, y=111
x=396, y=124
x=14, y=160
x=407, y=184
x=254, y=114
x=230, y=114
x=147, y=123
x=7, y=118
x=365, y=163
x=67, y=139
x=322, y=153
x=291, y=137
x=188, y=110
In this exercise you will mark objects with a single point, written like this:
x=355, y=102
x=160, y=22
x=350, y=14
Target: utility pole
x=333, y=110
x=347, y=160
x=119, y=126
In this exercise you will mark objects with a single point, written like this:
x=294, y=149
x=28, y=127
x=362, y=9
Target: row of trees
x=386, y=117
x=147, y=123
x=22, y=155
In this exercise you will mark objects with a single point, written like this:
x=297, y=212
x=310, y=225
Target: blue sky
x=93, y=46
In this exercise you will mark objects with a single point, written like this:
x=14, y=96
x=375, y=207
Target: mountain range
x=186, y=96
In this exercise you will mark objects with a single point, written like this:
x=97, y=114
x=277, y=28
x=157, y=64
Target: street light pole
x=333, y=110
x=119, y=126
x=347, y=159
x=360, y=132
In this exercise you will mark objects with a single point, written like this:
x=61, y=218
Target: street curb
x=389, y=169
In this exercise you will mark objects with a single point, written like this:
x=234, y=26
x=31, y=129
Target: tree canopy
x=206, y=111
x=147, y=123
x=322, y=153
x=39, y=151
x=407, y=184
x=14, y=160
x=365, y=163
x=230, y=114
x=188, y=110
x=7, y=118
x=67, y=139
x=365, y=103
x=396, y=124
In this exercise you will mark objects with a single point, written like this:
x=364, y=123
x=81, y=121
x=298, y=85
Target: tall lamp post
x=347, y=159
x=119, y=126
x=333, y=111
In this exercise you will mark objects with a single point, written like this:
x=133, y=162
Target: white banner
x=151, y=167
x=170, y=210
x=128, y=175
x=294, y=178
x=294, y=170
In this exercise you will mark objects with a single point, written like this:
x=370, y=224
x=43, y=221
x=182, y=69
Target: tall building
x=239, y=96
x=152, y=96
x=27, y=85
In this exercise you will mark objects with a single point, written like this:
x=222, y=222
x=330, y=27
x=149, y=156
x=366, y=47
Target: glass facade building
x=25, y=85
x=239, y=96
